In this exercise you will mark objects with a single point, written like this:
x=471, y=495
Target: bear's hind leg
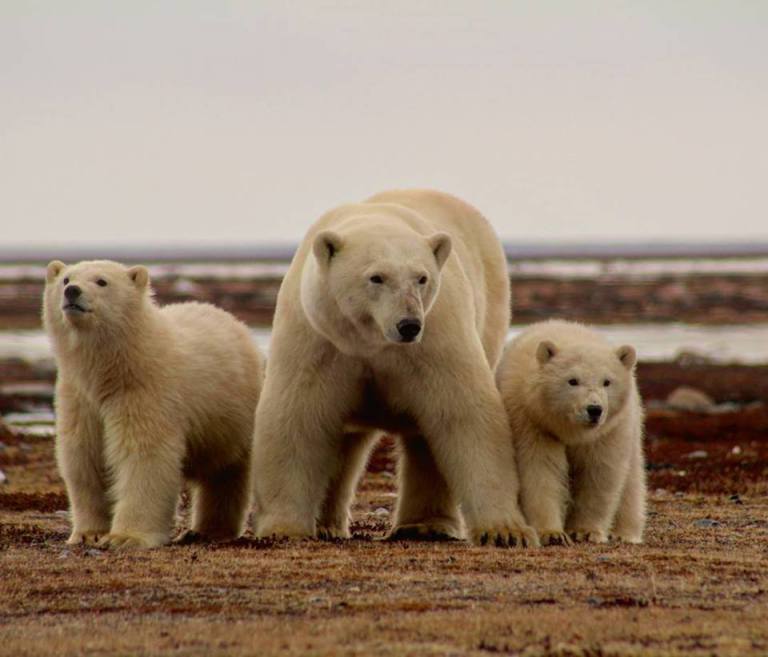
x=333, y=521
x=220, y=504
x=426, y=508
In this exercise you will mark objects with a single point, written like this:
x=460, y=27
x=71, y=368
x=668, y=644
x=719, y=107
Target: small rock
x=706, y=522
x=64, y=554
x=381, y=511
x=736, y=450
x=595, y=601
x=94, y=553
x=698, y=454
x=736, y=499
x=3, y=478
x=354, y=589
x=685, y=398
x=661, y=492
x=603, y=558
x=61, y=514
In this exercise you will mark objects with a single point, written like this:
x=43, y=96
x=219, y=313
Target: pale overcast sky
x=232, y=122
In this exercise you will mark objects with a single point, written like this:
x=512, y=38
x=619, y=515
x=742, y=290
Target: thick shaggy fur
x=339, y=371
x=147, y=397
x=581, y=478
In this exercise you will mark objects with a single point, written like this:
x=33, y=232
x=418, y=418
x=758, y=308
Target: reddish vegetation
x=607, y=298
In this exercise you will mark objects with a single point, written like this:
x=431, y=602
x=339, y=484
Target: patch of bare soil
x=697, y=587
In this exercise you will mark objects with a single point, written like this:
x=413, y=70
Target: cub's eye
x=376, y=279
x=423, y=280
x=101, y=283
x=607, y=382
x=573, y=382
x=65, y=281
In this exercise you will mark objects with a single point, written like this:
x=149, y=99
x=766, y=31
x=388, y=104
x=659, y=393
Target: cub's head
x=379, y=285
x=93, y=294
x=581, y=387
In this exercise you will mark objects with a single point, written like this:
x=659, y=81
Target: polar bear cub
x=147, y=397
x=577, y=422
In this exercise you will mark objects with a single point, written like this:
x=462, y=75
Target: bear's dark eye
x=376, y=279
x=573, y=382
x=423, y=280
x=607, y=382
x=65, y=281
x=101, y=283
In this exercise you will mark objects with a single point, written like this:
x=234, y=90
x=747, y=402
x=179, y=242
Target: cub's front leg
x=146, y=463
x=79, y=455
x=543, y=468
x=599, y=474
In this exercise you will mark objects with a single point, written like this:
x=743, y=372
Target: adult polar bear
x=391, y=317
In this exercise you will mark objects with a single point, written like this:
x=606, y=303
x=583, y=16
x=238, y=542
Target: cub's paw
x=506, y=536
x=87, y=537
x=554, y=537
x=429, y=530
x=332, y=532
x=588, y=536
x=122, y=541
x=632, y=539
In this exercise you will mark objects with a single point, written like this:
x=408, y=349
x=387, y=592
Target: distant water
x=746, y=344
x=559, y=268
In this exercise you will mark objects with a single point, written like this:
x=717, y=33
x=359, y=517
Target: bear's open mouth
x=74, y=308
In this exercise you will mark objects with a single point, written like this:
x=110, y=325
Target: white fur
x=147, y=397
x=578, y=479
x=339, y=371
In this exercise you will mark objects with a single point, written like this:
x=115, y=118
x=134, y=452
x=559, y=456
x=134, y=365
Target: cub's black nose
x=409, y=329
x=72, y=292
x=594, y=411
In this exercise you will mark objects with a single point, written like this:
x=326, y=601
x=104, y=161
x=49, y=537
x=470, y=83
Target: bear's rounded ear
x=440, y=243
x=53, y=270
x=546, y=351
x=627, y=355
x=139, y=275
x=326, y=245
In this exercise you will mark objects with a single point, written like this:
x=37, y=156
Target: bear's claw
x=115, y=541
x=588, y=536
x=86, y=537
x=554, y=537
x=523, y=536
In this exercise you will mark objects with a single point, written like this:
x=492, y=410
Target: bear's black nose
x=594, y=411
x=72, y=292
x=409, y=329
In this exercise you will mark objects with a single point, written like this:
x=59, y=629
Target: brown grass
x=690, y=590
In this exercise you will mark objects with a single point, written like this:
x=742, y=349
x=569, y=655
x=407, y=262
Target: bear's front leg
x=147, y=480
x=79, y=454
x=297, y=443
x=543, y=468
x=599, y=474
x=468, y=433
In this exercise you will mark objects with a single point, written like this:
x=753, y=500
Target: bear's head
x=370, y=289
x=92, y=295
x=581, y=388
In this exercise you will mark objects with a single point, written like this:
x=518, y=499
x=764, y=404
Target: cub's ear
x=139, y=275
x=546, y=351
x=440, y=243
x=326, y=245
x=627, y=355
x=53, y=270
